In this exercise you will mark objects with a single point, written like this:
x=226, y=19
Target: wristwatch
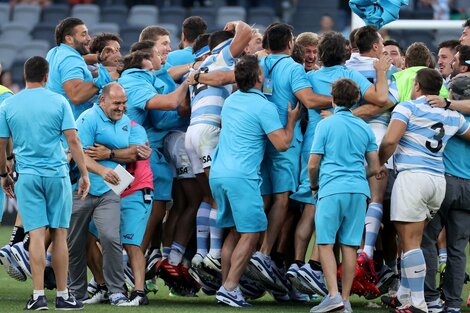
x=314, y=188
x=196, y=77
x=448, y=102
x=111, y=155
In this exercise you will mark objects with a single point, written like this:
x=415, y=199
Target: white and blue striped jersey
x=207, y=101
x=365, y=66
x=427, y=133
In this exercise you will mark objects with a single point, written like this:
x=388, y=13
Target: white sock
x=64, y=294
x=37, y=294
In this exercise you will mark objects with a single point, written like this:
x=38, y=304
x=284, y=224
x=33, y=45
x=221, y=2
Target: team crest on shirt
x=128, y=236
x=124, y=128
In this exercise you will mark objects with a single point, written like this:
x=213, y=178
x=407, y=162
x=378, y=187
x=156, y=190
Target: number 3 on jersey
x=440, y=133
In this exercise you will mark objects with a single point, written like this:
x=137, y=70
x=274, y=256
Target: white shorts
x=175, y=153
x=416, y=196
x=379, y=132
x=200, y=142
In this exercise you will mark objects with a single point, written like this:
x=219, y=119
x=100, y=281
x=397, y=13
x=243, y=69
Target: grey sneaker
x=329, y=304
x=347, y=307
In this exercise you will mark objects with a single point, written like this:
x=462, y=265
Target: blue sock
x=373, y=222
x=415, y=270
x=166, y=251
x=202, y=228
x=442, y=255
x=216, y=236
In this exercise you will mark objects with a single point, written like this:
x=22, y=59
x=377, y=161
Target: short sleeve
x=319, y=140
x=269, y=118
x=361, y=81
x=138, y=135
x=68, y=122
x=86, y=130
x=72, y=68
x=142, y=94
x=402, y=112
x=4, y=96
x=226, y=57
x=299, y=78
x=4, y=129
x=463, y=125
x=372, y=144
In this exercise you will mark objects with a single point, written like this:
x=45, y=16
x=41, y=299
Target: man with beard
x=69, y=75
x=445, y=58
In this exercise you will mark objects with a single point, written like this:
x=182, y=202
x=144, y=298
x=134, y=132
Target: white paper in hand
x=125, y=180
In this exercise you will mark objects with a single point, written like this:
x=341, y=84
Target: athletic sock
x=176, y=254
x=26, y=242
x=64, y=294
x=37, y=294
x=166, y=252
x=299, y=263
x=403, y=292
x=278, y=258
x=373, y=222
x=415, y=269
x=442, y=255
x=315, y=265
x=17, y=235
x=202, y=228
x=48, y=259
x=216, y=233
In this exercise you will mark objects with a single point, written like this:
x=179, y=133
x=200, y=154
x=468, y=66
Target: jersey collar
x=342, y=110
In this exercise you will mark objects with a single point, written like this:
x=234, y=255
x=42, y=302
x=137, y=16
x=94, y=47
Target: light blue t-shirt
x=344, y=140
x=321, y=82
x=139, y=87
x=427, y=132
x=95, y=127
x=287, y=77
x=247, y=117
x=163, y=122
x=456, y=156
x=65, y=63
x=36, y=118
x=180, y=57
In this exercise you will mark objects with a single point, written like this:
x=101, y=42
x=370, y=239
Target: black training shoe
x=68, y=305
x=37, y=305
x=391, y=302
x=409, y=309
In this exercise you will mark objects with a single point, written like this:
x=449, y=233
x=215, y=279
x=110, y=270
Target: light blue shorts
x=134, y=217
x=162, y=176
x=303, y=193
x=44, y=201
x=341, y=214
x=240, y=204
x=281, y=169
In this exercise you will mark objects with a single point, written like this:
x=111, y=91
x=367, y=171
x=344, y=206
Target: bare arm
x=107, y=173
x=313, y=100
x=100, y=152
x=378, y=93
x=367, y=111
x=396, y=130
x=242, y=36
x=462, y=106
x=77, y=154
x=176, y=72
x=169, y=101
x=218, y=78
x=373, y=164
x=79, y=91
x=282, y=138
x=314, y=168
x=7, y=182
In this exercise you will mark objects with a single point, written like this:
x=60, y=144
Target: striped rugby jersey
x=207, y=101
x=365, y=66
x=427, y=133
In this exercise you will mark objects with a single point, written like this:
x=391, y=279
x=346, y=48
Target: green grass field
x=13, y=297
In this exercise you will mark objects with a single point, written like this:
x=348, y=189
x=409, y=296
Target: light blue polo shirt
x=343, y=141
x=180, y=57
x=287, y=78
x=456, y=156
x=247, y=117
x=95, y=127
x=65, y=63
x=321, y=82
x=35, y=118
x=139, y=87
